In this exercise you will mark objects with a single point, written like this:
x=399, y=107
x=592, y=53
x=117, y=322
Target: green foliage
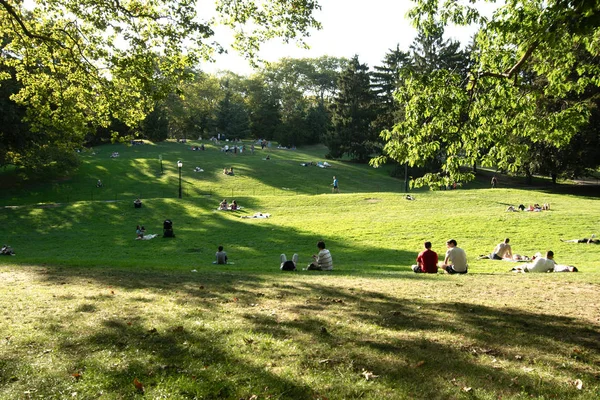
x=83, y=64
x=353, y=111
x=528, y=55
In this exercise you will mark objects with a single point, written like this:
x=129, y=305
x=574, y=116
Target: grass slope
x=87, y=310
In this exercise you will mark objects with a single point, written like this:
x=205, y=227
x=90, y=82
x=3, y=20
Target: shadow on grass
x=226, y=344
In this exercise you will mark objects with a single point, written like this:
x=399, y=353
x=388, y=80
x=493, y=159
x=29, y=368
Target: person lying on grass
x=539, y=264
x=502, y=251
x=288, y=265
x=584, y=240
x=321, y=261
x=7, y=251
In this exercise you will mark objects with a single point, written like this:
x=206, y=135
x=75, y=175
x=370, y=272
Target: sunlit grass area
x=89, y=312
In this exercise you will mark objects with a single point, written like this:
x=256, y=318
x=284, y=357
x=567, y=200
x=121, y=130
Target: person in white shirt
x=540, y=264
x=456, y=259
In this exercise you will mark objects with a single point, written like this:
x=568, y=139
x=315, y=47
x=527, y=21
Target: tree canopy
x=82, y=63
x=534, y=70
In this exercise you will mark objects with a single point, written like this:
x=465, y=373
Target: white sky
x=364, y=27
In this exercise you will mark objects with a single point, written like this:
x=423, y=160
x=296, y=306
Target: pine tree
x=353, y=110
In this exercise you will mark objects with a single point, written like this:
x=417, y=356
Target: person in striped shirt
x=321, y=261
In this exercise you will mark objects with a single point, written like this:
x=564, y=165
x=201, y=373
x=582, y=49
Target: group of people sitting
x=223, y=206
x=198, y=148
x=455, y=260
x=322, y=261
x=532, y=207
x=228, y=171
x=7, y=251
x=114, y=154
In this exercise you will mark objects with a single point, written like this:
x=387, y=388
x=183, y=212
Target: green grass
x=86, y=309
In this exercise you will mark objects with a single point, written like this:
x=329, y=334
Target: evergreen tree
x=430, y=52
x=353, y=112
x=232, y=117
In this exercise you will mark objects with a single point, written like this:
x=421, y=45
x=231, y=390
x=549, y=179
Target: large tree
x=83, y=63
x=485, y=117
x=353, y=112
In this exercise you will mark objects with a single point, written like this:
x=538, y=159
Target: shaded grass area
x=88, y=333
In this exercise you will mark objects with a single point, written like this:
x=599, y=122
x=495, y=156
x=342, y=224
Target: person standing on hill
x=494, y=182
x=336, y=188
x=427, y=261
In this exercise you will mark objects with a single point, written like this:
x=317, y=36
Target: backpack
x=288, y=266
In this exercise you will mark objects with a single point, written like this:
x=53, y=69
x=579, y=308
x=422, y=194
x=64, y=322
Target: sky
x=368, y=28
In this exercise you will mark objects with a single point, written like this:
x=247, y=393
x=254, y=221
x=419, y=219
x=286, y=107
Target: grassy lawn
x=89, y=312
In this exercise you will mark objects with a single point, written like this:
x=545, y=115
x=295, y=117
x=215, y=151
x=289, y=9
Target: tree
x=385, y=80
x=264, y=109
x=232, y=117
x=485, y=116
x=352, y=114
x=82, y=64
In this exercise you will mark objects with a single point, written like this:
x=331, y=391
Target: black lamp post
x=179, y=165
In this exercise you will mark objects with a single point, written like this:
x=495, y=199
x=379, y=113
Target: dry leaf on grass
x=578, y=383
x=419, y=364
x=76, y=375
x=369, y=375
x=467, y=389
x=138, y=385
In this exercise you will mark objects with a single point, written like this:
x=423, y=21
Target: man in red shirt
x=427, y=261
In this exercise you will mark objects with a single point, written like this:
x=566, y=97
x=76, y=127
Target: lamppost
x=179, y=165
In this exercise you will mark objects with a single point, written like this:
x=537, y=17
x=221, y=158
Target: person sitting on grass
x=321, y=261
x=409, y=197
x=221, y=256
x=540, y=264
x=139, y=231
x=502, y=251
x=455, y=261
x=427, y=261
x=223, y=205
x=288, y=265
x=233, y=206
x=137, y=203
x=584, y=240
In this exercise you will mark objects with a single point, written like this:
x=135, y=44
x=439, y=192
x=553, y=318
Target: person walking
x=335, y=188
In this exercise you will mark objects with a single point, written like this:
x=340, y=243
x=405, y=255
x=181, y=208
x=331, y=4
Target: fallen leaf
x=112, y=292
x=76, y=375
x=466, y=389
x=253, y=397
x=518, y=357
x=419, y=364
x=129, y=323
x=138, y=385
x=578, y=383
x=235, y=299
x=369, y=375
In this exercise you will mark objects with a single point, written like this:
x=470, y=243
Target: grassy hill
x=89, y=312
